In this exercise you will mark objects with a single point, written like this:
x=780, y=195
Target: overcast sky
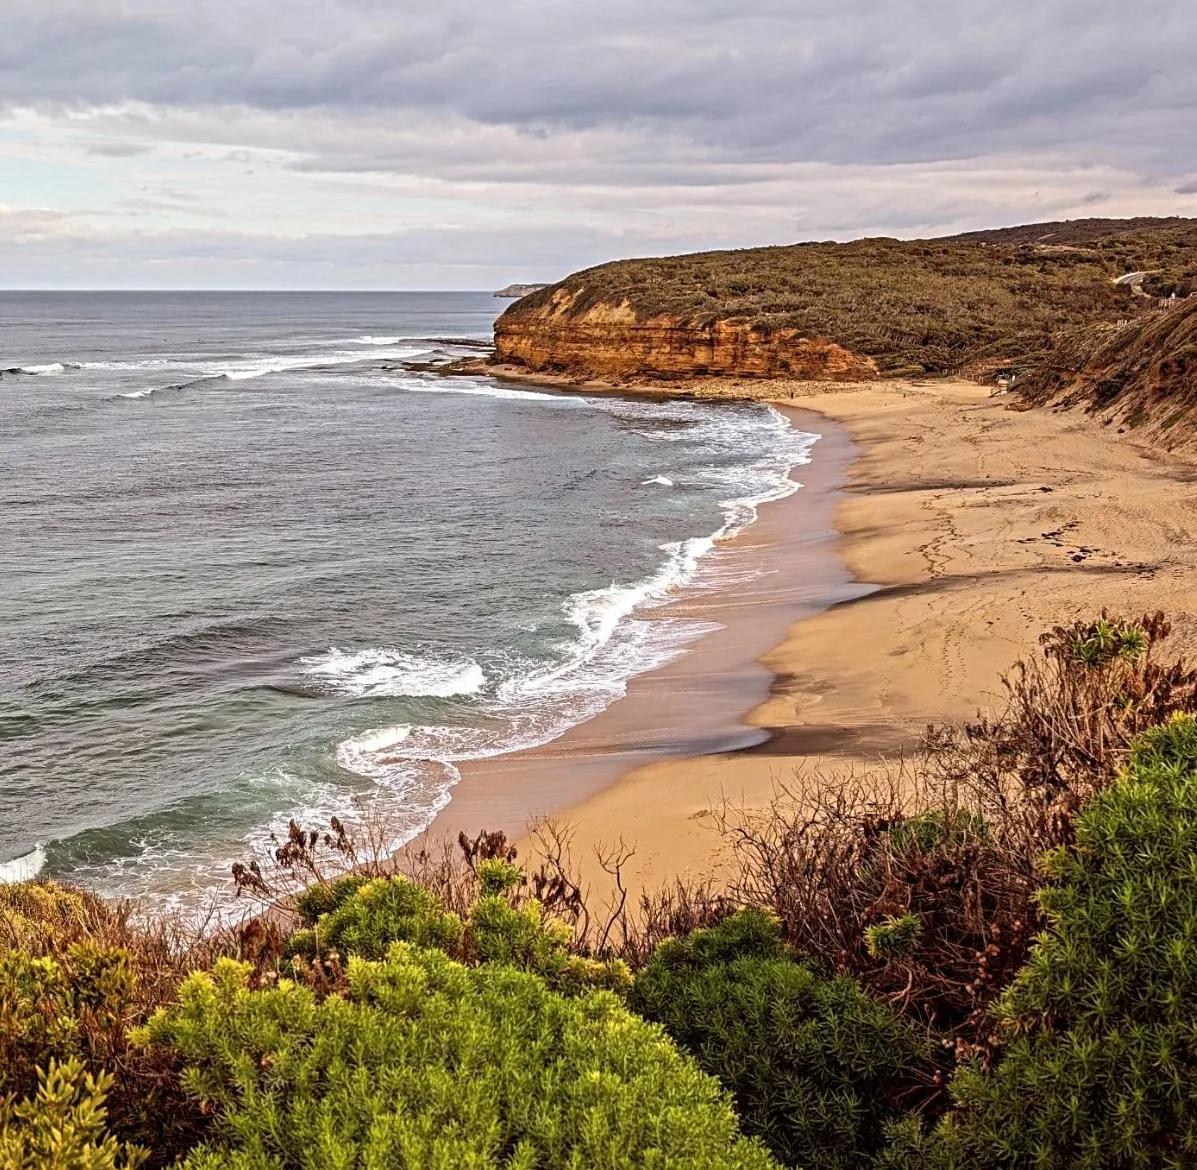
x=466, y=143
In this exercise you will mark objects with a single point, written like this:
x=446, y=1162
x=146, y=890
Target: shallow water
x=256, y=566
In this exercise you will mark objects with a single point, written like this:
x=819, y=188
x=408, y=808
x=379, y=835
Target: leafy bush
x=899, y=883
x=817, y=1068
x=429, y=1065
x=62, y=1126
x=1072, y=715
x=927, y=831
x=76, y=976
x=1101, y=1060
x=54, y=1010
x=893, y=938
x=365, y=918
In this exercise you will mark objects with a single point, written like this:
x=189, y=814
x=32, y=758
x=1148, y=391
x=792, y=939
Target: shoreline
x=755, y=585
x=980, y=527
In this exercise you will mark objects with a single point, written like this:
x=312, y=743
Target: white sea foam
x=409, y=769
x=534, y=705
x=378, y=673
x=48, y=370
x=248, y=366
x=489, y=389
x=23, y=869
x=663, y=480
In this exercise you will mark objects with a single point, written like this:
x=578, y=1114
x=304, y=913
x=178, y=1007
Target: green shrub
x=54, y=1009
x=816, y=1068
x=319, y=899
x=935, y=828
x=365, y=918
x=76, y=975
x=429, y=1065
x=62, y=1125
x=893, y=938
x=1100, y=1067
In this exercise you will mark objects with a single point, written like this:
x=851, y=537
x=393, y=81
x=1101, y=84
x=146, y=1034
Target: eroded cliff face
x=610, y=342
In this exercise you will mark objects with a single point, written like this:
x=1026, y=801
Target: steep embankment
x=878, y=307
x=1142, y=374
x=613, y=341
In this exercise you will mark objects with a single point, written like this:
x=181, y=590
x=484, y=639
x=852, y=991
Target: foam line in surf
x=49, y=369
x=376, y=673
x=534, y=706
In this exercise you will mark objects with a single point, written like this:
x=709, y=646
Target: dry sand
x=980, y=527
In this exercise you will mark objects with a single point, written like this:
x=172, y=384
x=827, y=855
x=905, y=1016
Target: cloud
x=118, y=149
x=560, y=108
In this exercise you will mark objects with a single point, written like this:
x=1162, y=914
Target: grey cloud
x=863, y=80
x=618, y=128
x=118, y=149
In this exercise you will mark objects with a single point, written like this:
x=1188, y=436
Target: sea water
x=261, y=559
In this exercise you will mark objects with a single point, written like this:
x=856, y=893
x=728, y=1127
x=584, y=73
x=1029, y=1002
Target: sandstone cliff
x=611, y=342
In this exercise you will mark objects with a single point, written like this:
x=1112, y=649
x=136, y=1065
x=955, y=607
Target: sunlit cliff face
x=607, y=342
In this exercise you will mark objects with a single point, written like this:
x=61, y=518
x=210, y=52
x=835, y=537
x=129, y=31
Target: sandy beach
x=752, y=588
x=962, y=530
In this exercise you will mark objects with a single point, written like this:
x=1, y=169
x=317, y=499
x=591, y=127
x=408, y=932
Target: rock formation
x=612, y=342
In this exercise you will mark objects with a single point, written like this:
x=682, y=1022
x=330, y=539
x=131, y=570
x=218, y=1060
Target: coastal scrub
x=429, y=1065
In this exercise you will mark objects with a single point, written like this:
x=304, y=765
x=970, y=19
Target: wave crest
x=24, y=868
x=378, y=673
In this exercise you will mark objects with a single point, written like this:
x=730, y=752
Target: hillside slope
x=1141, y=374
x=875, y=307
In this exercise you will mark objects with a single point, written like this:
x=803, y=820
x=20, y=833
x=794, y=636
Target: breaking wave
x=391, y=673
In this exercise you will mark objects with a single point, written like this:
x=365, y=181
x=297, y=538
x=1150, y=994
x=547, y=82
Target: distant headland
x=515, y=291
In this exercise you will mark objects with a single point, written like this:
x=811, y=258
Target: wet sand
x=979, y=527
x=963, y=530
x=782, y=568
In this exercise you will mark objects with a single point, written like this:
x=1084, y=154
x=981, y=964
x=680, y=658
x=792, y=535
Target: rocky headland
x=979, y=306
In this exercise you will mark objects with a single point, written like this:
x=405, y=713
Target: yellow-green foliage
x=75, y=976
x=56, y=1008
x=429, y=1065
x=42, y=917
x=356, y=917
x=61, y=1127
x=363, y=918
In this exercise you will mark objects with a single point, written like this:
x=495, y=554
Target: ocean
x=259, y=560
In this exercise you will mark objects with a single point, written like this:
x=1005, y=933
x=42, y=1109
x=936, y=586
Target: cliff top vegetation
x=970, y=304
x=1139, y=374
